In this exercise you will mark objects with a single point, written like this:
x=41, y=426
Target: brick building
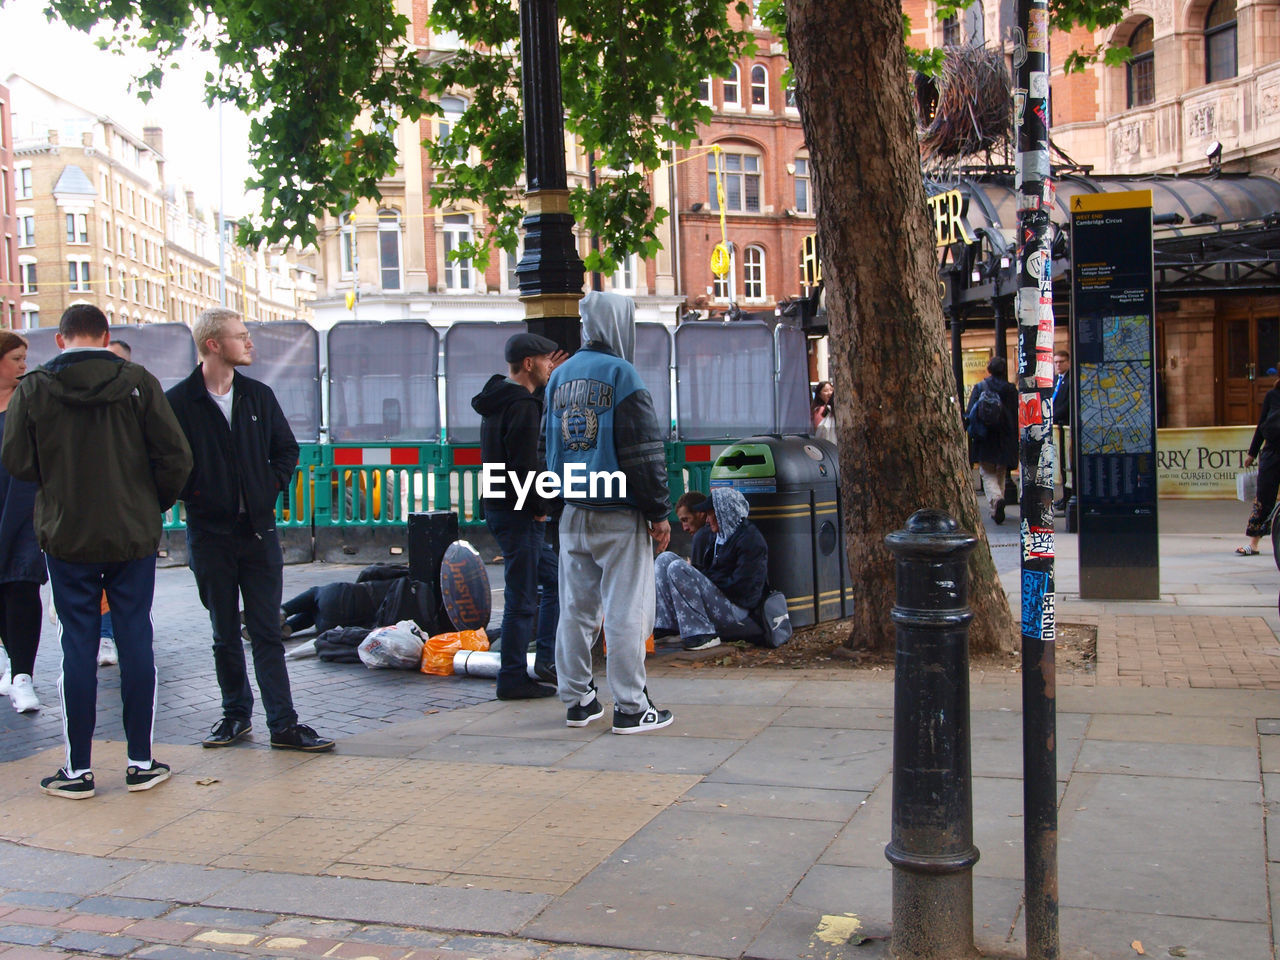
x=1200, y=94
x=10, y=302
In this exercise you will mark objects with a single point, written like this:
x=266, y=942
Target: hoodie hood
x=90, y=377
x=731, y=509
x=498, y=394
x=610, y=318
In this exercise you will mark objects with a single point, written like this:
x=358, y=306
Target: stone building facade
x=10, y=302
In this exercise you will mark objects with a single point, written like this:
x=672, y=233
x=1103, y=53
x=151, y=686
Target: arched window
x=742, y=179
x=389, y=248
x=753, y=273
x=346, y=245
x=457, y=272
x=704, y=89
x=730, y=85
x=759, y=86
x=1220, y=41
x=951, y=31
x=1142, y=65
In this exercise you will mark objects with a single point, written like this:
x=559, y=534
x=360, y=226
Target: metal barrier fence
x=350, y=503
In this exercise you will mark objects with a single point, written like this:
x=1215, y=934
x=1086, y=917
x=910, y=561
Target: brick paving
x=154, y=935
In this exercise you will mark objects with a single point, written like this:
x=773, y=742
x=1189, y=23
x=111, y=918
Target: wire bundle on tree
x=972, y=113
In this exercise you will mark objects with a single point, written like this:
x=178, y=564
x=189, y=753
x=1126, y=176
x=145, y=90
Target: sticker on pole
x=720, y=260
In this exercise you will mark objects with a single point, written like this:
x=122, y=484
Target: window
x=624, y=277
x=513, y=261
x=106, y=234
x=23, y=182
x=4, y=198
x=741, y=182
x=1220, y=41
x=704, y=89
x=347, y=245
x=30, y=318
x=445, y=125
x=26, y=231
x=803, y=196
x=951, y=31
x=78, y=274
x=389, y=248
x=77, y=228
x=106, y=277
x=753, y=273
x=730, y=86
x=759, y=86
x=1142, y=66
x=789, y=96
x=27, y=276
x=457, y=272
x=724, y=288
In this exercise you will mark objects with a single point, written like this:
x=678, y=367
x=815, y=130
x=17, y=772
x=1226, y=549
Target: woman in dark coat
x=1267, y=454
x=995, y=449
x=22, y=567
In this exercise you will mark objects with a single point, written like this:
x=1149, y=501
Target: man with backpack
x=244, y=455
x=992, y=424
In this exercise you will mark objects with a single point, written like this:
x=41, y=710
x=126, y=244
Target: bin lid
x=765, y=463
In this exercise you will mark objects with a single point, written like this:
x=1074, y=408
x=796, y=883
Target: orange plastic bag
x=438, y=651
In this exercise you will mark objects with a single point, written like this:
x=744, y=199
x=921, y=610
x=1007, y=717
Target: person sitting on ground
x=702, y=606
x=695, y=523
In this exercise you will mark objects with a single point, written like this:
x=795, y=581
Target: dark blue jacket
x=740, y=566
x=703, y=549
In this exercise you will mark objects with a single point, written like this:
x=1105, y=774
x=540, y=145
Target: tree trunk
x=902, y=445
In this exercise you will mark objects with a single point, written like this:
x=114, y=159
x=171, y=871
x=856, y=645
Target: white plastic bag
x=1247, y=485
x=398, y=647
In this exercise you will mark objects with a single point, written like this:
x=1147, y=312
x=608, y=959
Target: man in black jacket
x=510, y=434
x=244, y=454
x=98, y=438
x=702, y=605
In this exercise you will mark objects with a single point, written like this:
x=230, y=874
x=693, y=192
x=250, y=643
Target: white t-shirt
x=224, y=402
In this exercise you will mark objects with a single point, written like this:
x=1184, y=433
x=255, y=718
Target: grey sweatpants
x=692, y=604
x=606, y=575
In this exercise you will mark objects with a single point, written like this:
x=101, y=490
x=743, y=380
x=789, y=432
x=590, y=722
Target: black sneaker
x=582, y=713
x=300, y=737
x=135, y=778
x=63, y=785
x=998, y=515
x=226, y=732
x=642, y=722
x=546, y=673
x=704, y=642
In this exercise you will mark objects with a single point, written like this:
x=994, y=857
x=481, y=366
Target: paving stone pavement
x=337, y=699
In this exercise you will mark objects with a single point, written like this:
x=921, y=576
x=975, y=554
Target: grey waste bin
x=793, y=486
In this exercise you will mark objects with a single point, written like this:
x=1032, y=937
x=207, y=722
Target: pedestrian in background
x=97, y=518
x=510, y=408
x=244, y=455
x=22, y=566
x=1062, y=421
x=822, y=411
x=1264, y=449
x=600, y=415
x=992, y=423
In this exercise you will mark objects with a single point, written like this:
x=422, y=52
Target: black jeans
x=315, y=606
x=520, y=538
x=228, y=566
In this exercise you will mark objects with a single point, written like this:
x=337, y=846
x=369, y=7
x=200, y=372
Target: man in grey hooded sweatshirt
x=600, y=419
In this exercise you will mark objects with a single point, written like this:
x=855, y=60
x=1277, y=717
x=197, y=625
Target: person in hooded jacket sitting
x=719, y=600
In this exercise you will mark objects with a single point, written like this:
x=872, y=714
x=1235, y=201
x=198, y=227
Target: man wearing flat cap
x=510, y=434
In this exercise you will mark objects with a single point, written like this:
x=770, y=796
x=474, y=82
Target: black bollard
x=932, y=849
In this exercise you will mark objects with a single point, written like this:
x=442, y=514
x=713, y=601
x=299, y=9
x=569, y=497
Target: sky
x=66, y=62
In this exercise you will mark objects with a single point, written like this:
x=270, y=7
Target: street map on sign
x=1115, y=397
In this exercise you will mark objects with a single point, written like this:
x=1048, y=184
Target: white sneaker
x=23, y=695
x=107, y=652
x=5, y=678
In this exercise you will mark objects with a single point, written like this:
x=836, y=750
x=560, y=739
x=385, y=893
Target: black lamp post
x=550, y=271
